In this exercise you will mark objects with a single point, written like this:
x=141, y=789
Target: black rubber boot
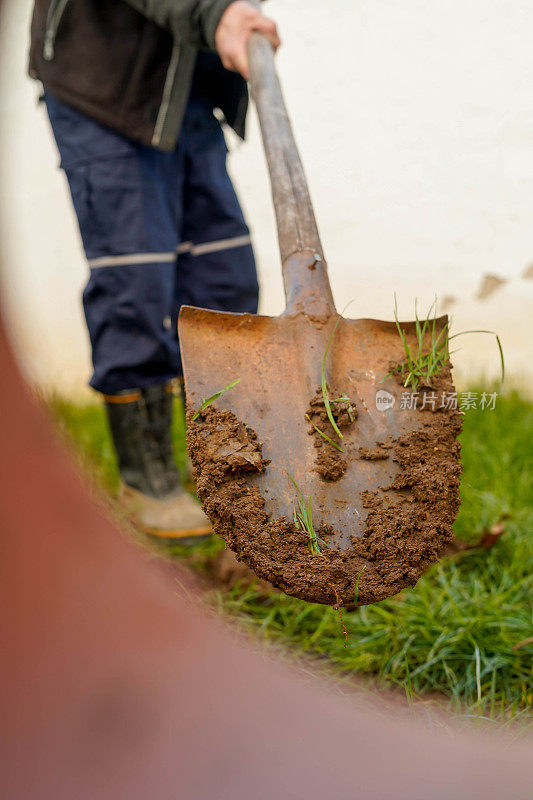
x=140, y=462
x=159, y=400
x=159, y=405
x=151, y=492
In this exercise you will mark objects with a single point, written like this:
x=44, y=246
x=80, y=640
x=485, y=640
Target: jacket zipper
x=167, y=93
x=55, y=13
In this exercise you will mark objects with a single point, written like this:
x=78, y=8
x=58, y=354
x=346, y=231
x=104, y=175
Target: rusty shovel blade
x=278, y=361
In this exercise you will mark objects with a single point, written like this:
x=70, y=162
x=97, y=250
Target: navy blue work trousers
x=159, y=230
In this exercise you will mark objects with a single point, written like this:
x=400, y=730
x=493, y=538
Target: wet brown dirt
x=330, y=463
x=408, y=522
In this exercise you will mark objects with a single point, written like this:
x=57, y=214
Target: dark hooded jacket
x=130, y=64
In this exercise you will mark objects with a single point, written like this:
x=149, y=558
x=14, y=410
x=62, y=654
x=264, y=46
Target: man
x=130, y=89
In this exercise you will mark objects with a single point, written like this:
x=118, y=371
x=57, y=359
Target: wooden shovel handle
x=305, y=276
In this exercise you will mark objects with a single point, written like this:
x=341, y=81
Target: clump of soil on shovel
x=330, y=463
x=408, y=523
x=378, y=453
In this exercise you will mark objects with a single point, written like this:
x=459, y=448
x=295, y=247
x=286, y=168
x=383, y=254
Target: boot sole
x=190, y=533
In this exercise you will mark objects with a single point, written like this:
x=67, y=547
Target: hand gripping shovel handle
x=305, y=276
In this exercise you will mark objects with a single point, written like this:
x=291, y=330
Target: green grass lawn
x=456, y=633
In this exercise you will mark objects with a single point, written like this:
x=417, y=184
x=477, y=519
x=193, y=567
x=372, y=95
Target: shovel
x=387, y=517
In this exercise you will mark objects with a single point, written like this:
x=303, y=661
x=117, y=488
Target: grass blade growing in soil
x=207, y=402
x=425, y=361
x=303, y=519
x=324, y=435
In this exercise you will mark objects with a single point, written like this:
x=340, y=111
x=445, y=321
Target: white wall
x=415, y=123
